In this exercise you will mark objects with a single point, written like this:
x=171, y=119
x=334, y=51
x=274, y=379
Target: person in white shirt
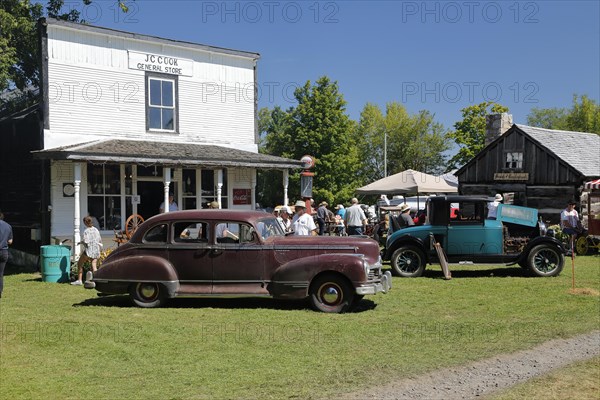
x=303, y=223
x=569, y=222
x=493, y=206
x=284, y=219
x=355, y=218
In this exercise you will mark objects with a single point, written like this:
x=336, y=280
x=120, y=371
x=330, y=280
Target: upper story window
x=161, y=106
x=514, y=160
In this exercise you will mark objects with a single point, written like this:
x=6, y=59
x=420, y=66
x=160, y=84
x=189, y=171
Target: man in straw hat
x=404, y=219
x=302, y=223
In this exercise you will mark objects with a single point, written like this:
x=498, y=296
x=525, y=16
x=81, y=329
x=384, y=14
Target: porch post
x=76, y=210
x=286, y=179
x=253, y=190
x=219, y=186
x=167, y=182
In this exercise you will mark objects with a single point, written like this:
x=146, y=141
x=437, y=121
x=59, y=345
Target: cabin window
x=161, y=104
x=514, y=160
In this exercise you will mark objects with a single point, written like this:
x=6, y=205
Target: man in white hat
x=303, y=223
x=493, y=206
x=284, y=218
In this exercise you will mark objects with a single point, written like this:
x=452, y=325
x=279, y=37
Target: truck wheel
x=331, y=294
x=545, y=260
x=408, y=261
x=147, y=294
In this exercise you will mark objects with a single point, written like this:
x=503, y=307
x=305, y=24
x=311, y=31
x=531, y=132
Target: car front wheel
x=147, y=294
x=408, y=261
x=545, y=260
x=331, y=294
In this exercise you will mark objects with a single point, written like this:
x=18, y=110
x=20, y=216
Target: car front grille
x=374, y=273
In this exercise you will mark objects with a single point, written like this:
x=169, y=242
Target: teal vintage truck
x=459, y=225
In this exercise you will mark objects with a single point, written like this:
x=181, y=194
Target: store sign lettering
x=160, y=63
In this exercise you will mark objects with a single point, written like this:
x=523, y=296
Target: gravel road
x=487, y=376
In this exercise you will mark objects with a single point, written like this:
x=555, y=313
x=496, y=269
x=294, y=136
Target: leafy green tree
x=413, y=142
x=583, y=116
x=18, y=38
x=272, y=125
x=320, y=127
x=469, y=133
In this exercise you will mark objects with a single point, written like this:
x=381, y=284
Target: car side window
x=234, y=232
x=227, y=232
x=156, y=234
x=466, y=213
x=190, y=232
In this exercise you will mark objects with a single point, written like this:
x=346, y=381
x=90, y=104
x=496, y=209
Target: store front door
x=151, y=196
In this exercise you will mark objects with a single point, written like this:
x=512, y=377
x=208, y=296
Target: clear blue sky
x=435, y=55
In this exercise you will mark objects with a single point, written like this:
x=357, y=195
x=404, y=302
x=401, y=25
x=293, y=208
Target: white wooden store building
x=126, y=118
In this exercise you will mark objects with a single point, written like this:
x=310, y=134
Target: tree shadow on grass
x=238, y=303
x=491, y=272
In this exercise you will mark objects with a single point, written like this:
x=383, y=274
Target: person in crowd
x=92, y=243
x=6, y=239
x=493, y=206
x=340, y=210
x=285, y=219
x=570, y=223
x=322, y=217
x=213, y=205
x=404, y=219
x=172, y=205
x=303, y=223
x=420, y=218
x=355, y=218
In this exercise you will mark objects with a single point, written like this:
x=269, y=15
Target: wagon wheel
x=132, y=224
x=582, y=246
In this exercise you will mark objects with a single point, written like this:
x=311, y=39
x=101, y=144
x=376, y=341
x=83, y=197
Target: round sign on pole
x=307, y=162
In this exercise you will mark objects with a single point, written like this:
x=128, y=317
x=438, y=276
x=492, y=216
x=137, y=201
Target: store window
x=209, y=182
x=161, y=104
x=514, y=160
x=104, y=195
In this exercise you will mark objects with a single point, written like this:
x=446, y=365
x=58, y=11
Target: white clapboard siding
x=94, y=95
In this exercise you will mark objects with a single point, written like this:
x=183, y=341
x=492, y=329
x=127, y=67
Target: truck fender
x=407, y=240
x=537, y=241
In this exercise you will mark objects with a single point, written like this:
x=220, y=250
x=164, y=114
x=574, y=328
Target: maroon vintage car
x=212, y=253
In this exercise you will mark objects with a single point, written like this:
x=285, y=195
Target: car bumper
x=377, y=287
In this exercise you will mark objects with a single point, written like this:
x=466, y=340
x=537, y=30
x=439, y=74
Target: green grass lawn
x=60, y=341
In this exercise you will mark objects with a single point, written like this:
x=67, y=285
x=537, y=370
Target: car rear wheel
x=332, y=294
x=147, y=294
x=408, y=261
x=545, y=260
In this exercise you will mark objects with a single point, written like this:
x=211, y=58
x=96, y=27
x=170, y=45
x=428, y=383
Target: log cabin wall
x=540, y=180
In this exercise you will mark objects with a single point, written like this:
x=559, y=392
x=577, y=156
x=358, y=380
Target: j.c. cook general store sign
x=160, y=63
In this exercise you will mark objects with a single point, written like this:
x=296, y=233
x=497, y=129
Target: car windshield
x=268, y=227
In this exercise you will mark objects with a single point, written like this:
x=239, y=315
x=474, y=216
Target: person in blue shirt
x=6, y=239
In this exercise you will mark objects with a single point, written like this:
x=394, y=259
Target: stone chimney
x=496, y=125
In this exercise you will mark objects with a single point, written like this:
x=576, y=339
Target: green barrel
x=56, y=263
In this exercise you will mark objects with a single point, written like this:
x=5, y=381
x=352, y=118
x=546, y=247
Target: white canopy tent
x=408, y=182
